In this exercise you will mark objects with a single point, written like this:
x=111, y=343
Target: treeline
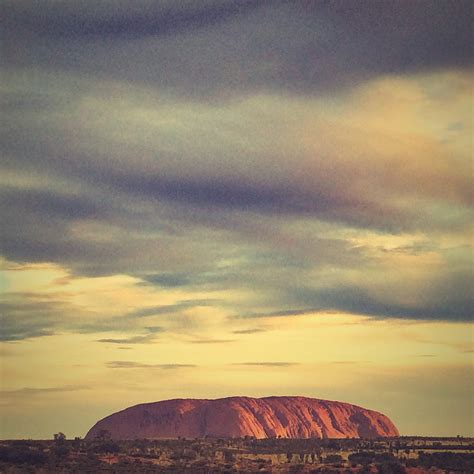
x=206, y=455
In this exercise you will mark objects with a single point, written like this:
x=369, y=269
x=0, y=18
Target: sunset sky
x=217, y=197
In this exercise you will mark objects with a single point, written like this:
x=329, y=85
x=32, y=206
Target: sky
x=217, y=198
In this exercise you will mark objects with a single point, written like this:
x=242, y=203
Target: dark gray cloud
x=229, y=48
x=168, y=280
x=191, y=198
x=445, y=295
x=201, y=197
x=43, y=231
x=119, y=20
x=50, y=205
x=39, y=226
x=274, y=198
x=454, y=304
x=15, y=103
x=25, y=316
x=27, y=329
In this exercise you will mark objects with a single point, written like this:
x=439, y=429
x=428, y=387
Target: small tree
x=59, y=438
x=333, y=458
x=228, y=456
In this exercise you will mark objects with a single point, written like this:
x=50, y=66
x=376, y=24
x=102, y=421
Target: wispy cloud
x=212, y=341
x=281, y=313
x=31, y=391
x=249, y=331
x=139, y=339
x=124, y=364
x=185, y=32
x=267, y=364
x=448, y=298
x=127, y=22
x=147, y=339
x=350, y=362
x=167, y=309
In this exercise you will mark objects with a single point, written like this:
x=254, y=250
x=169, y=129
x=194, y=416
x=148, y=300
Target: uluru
x=268, y=417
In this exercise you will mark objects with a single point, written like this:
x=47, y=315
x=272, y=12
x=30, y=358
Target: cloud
x=293, y=175
x=143, y=18
x=167, y=309
x=452, y=305
x=267, y=364
x=227, y=49
x=52, y=205
x=140, y=339
x=270, y=181
x=212, y=341
x=146, y=339
x=216, y=175
x=122, y=364
x=64, y=307
x=168, y=280
x=249, y=331
x=283, y=313
x=32, y=391
x=25, y=316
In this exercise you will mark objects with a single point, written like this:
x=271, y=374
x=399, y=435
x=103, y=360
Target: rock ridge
x=267, y=417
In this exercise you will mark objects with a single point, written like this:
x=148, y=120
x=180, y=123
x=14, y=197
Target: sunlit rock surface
x=288, y=417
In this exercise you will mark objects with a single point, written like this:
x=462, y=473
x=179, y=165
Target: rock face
x=288, y=417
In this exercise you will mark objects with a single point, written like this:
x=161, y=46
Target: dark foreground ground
x=411, y=455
